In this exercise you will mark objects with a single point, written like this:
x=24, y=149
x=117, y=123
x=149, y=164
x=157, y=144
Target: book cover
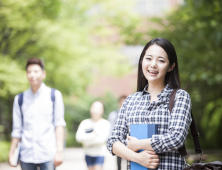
x=16, y=154
x=142, y=131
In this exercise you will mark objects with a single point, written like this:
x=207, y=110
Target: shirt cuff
x=110, y=145
x=156, y=143
x=60, y=123
x=110, y=148
x=16, y=134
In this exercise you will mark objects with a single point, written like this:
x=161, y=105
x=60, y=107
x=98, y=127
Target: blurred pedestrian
x=112, y=119
x=93, y=134
x=38, y=122
x=158, y=75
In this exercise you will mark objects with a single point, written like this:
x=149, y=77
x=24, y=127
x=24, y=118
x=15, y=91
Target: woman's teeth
x=154, y=72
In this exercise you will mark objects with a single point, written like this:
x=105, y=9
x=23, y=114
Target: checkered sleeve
x=120, y=130
x=178, y=126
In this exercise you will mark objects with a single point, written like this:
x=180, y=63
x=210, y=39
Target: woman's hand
x=148, y=159
x=133, y=143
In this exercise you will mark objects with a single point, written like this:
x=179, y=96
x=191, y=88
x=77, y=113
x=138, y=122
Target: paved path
x=74, y=160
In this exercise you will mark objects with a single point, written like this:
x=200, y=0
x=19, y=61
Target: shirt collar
x=164, y=93
x=40, y=90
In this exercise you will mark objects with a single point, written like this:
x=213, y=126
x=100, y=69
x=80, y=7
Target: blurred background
x=91, y=50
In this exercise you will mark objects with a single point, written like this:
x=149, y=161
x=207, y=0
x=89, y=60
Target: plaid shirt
x=172, y=129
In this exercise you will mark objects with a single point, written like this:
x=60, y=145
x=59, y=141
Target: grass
x=214, y=156
x=4, y=151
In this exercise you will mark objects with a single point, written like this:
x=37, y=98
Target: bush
x=4, y=151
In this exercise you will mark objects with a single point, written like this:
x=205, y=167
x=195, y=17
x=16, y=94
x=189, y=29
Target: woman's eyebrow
x=161, y=57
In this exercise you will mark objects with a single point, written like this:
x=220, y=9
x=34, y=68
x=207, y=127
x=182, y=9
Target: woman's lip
x=152, y=74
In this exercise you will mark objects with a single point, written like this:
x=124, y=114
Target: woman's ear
x=171, y=68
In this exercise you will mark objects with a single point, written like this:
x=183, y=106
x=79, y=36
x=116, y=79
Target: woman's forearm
x=85, y=137
x=135, y=144
x=146, y=158
x=145, y=144
x=122, y=151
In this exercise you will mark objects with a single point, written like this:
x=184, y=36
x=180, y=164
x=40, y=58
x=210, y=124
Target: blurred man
x=112, y=119
x=38, y=122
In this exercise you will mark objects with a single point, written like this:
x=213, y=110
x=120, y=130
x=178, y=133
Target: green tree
x=18, y=36
x=78, y=41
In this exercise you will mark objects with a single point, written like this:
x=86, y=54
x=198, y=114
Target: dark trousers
x=119, y=159
x=42, y=166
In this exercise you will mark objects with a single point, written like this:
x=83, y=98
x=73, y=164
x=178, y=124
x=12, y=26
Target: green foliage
x=11, y=79
x=4, y=148
x=71, y=140
x=212, y=119
x=78, y=41
x=196, y=33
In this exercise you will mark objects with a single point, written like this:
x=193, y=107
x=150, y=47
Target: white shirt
x=94, y=142
x=38, y=144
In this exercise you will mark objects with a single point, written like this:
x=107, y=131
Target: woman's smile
x=153, y=73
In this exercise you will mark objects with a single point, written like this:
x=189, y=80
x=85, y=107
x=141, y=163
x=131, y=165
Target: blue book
x=142, y=131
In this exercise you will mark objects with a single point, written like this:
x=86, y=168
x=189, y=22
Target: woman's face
x=96, y=110
x=155, y=64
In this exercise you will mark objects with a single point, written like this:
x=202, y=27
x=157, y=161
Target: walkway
x=74, y=160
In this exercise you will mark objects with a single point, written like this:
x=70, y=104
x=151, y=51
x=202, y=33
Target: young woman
x=158, y=75
x=93, y=133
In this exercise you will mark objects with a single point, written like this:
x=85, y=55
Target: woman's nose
x=153, y=64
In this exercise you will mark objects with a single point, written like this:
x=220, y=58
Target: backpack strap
x=172, y=98
x=53, y=100
x=20, y=102
x=53, y=95
x=193, y=129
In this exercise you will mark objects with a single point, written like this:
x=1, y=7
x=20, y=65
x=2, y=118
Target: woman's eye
x=148, y=58
x=161, y=61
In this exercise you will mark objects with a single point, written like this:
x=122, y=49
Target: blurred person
x=158, y=75
x=112, y=119
x=93, y=134
x=38, y=122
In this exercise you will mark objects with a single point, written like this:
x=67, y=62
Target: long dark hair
x=172, y=77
